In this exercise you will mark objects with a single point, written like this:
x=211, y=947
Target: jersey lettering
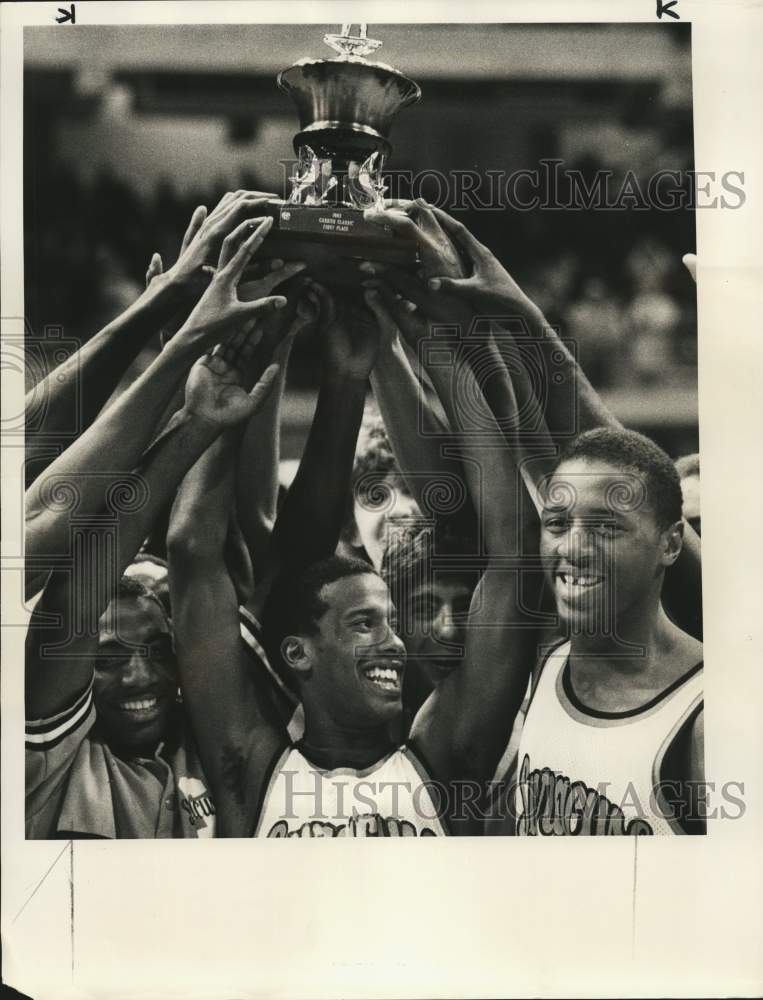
x=365, y=825
x=553, y=805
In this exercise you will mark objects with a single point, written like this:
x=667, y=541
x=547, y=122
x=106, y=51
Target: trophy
x=346, y=105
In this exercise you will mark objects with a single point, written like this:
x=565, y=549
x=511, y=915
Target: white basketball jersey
x=388, y=799
x=582, y=771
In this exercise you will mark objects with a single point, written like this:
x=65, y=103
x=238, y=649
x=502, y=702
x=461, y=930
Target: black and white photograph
x=359, y=455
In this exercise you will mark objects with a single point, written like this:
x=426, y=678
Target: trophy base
x=333, y=241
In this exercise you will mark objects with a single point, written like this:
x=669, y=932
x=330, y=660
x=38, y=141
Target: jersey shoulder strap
x=557, y=652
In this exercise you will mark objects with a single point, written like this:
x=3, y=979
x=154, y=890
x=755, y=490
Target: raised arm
x=462, y=729
x=414, y=427
x=77, y=598
x=491, y=289
x=114, y=444
x=259, y=454
x=237, y=732
x=490, y=349
x=88, y=378
x=310, y=521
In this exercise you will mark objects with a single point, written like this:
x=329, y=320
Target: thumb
x=155, y=267
x=457, y=286
x=197, y=220
x=260, y=393
x=689, y=261
x=249, y=310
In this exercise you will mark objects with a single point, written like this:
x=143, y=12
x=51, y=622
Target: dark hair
x=144, y=556
x=294, y=605
x=688, y=465
x=130, y=587
x=635, y=453
x=404, y=566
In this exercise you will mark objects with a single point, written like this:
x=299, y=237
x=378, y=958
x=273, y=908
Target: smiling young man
x=106, y=755
x=328, y=623
x=119, y=761
x=613, y=739
x=347, y=776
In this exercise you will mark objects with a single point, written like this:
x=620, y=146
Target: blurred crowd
x=612, y=281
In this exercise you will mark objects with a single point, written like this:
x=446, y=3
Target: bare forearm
x=201, y=511
x=162, y=469
x=310, y=521
x=509, y=395
x=53, y=679
x=414, y=430
x=114, y=444
x=89, y=377
x=491, y=472
x=257, y=482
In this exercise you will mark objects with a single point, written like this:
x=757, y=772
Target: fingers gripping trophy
x=346, y=106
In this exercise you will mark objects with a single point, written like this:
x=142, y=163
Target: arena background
x=127, y=129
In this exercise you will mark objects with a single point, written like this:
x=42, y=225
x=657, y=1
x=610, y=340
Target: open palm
x=215, y=391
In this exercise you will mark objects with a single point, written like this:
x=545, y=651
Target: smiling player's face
x=134, y=690
x=602, y=549
x=357, y=658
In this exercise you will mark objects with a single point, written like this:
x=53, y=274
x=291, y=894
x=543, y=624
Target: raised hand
x=489, y=283
x=220, y=312
x=278, y=328
x=395, y=316
x=417, y=221
x=156, y=268
x=431, y=306
x=193, y=271
x=205, y=235
x=217, y=389
x=351, y=334
x=156, y=265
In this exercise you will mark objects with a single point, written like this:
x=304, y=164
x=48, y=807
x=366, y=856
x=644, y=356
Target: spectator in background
x=595, y=323
x=551, y=284
x=688, y=469
x=653, y=315
x=653, y=319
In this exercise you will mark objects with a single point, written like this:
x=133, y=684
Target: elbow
x=192, y=544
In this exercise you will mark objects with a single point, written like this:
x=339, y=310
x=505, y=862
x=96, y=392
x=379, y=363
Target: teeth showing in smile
x=570, y=580
x=386, y=678
x=139, y=705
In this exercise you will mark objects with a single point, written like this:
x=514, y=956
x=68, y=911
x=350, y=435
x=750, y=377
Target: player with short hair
x=616, y=709
x=119, y=760
x=613, y=739
x=331, y=625
x=107, y=750
x=431, y=588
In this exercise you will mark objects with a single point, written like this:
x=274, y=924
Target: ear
x=296, y=652
x=672, y=540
